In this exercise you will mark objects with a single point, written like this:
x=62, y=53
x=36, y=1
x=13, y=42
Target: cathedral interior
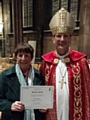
x=28, y=21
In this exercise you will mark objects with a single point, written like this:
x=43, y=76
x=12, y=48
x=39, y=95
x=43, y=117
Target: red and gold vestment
x=78, y=82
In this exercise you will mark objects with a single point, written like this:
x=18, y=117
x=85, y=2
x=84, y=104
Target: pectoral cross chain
x=62, y=82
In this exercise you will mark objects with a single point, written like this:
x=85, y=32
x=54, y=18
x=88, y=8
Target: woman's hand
x=17, y=106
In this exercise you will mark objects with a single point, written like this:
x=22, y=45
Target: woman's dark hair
x=24, y=47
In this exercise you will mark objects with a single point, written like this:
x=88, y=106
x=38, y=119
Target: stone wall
x=47, y=41
x=84, y=34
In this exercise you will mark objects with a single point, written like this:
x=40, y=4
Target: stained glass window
x=27, y=13
x=64, y=4
x=74, y=8
x=55, y=6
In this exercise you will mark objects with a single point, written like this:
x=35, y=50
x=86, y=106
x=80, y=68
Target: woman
x=11, y=80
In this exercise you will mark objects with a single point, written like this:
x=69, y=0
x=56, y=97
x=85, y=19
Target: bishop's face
x=62, y=42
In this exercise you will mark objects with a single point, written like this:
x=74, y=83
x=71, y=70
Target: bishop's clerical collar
x=62, y=56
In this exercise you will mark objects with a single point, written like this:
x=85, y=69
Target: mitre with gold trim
x=62, y=22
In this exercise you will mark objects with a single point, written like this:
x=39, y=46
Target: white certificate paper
x=37, y=97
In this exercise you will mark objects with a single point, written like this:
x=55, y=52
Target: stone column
x=6, y=27
x=39, y=29
x=84, y=35
x=17, y=21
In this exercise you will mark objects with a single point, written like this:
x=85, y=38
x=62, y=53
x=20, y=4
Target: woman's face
x=24, y=60
x=62, y=42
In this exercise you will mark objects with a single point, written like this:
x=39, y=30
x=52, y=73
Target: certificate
x=37, y=97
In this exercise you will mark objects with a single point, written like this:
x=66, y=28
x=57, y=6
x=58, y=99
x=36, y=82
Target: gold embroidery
x=46, y=75
x=47, y=72
x=77, y=92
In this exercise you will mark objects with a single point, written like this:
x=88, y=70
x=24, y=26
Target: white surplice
x=62, y=95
